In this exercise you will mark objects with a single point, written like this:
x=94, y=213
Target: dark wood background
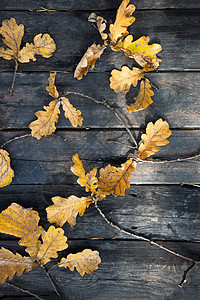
x=161, y=203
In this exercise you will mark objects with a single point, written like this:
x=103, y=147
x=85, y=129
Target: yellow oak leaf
x=45, y=124
x=22, y=223
x=101, y=24
x=11, y=264
x=6, y=53
x=53, y=241
x=143, y=98
x=156, y=135
x=71, y=113
x=114, y=180
x=85, y=262
x=89, y=180
x=124, y=19
x=88, y=60
x=121, y=81
x=51, y=88
x=12, y=34
x=66, y=209
x=6, y=173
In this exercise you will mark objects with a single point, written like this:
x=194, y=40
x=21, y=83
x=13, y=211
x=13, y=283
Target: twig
x=166, y=161
x=140, y=237
x=106, y=104
x=51, y=280
x=14, y=139
x=24, y=290
x=110, y=141
x=186, y=272
x=14, y=76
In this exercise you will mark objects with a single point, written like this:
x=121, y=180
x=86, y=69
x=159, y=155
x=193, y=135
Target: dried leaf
x=51, y=88
x=6, y=53
x=43, y=45
x=22, y=223
x=144, y=54
x=114, y=180
x=156, y=135
x=124, y=19
x=13, y=263
x=12, y=34
x=53, y=241
x=6, y=173
x=101, y=24
x=88, y=60
x=89, y=180
x=66, y=209
x=121, y=81
x=143, y=98
x=71, y=113
x=45, y=124
x=85, y=262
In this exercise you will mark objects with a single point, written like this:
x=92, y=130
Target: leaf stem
x=50, y=279
x=106, y=104
x=15, y=139
x=140, y=237
x=24, y=290
x=14, y=76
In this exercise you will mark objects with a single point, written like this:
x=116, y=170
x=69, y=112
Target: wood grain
x=176, y=102
x=73, y=34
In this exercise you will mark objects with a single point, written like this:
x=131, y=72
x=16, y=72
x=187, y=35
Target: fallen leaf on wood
x=71, y=113
x=143, y=99
x=101, y=24
x=121, y=81
x=66, y=209
x=6, y=173
x=85, y=262
x=156, y=135
x=51, y=88
x=88, y=60
x=114, y=180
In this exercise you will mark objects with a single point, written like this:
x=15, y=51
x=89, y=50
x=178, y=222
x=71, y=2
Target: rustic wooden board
x=94, y=5
x=177, y=100
x=129, y=269
x=162, y=212
x=33, y=165
x=73, y=34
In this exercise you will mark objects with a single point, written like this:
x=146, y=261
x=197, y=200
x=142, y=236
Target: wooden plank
x=161, y=212
x=129, y=270
x=73, y=34
x=94, y=5
x=177, y=100
x=49, y=160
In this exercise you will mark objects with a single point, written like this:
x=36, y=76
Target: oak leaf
x=53, y=241
x=113, y=180
x=156, y=135
x=71, y=113
x=88, y=60
x=85, y=262
x=11, y=264
x=143, y=99
x=66, y=209
x=121, y=81
x=45, y=124
x=51, y=88
x=124, y=19
x=89, y=180
x=6, y=173
x=101, y=24
x=22, y=223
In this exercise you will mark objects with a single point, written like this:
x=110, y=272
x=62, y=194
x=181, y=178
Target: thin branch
x=14, y=76
x=106, y=104
x=110, y=141
x=24, y=290
x=186, y=272
x=140, y=237
x=15, y=139
x=51, y=280
x=166, y=161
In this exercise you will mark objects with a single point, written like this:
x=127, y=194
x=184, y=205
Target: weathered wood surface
x=129, y=270
x=176, y=102
x=33, y=165
x=94, y=5
x=159, y=212
x=176, y=30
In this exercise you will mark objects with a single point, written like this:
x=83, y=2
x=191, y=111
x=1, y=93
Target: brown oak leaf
x=6, y=173
x=101, y=24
